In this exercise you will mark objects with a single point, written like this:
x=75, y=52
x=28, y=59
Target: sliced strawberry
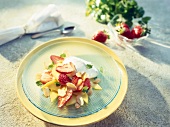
x=46, y=77
x=87, y=83
x=66, y=68
x=75, y=79
x=63, y=79
x=73, y=72
x=80, y=87
x=64, y=99
x=55, y=58
x=78, y=82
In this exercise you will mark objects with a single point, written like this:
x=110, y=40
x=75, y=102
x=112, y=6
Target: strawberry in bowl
x=137, y=31
x=124, y=35
x=124, y=30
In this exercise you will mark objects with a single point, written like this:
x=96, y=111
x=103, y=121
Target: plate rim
x=96, y=117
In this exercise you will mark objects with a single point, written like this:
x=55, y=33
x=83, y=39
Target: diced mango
x=53, y=96
x=52, y=82
x=96, y=87
x=51, y=85
x=55, y=73
x=85, y=97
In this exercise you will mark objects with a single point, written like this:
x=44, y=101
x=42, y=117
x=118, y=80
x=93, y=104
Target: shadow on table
x=16, y=49
x=143, y=106
x=155, y=50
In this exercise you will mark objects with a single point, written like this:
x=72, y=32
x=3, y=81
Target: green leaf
x=104, y=10
x=146, y=19
x=95, y=78
x=88, y=11
x=133, y=3
x=129, y=23
x=140, y=12
x=85, y=89
x=50, y=66
x=57, y=84
x=63, y=55
x=89, y=66
x=39, y=83
x=104, y=1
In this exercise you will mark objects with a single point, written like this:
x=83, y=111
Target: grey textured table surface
x=147, y=102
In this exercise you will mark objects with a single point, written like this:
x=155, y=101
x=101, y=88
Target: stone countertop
x=147, y=102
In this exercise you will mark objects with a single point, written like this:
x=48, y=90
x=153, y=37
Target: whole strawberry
x=123, y=29
x=101, y=36
x=139, y=31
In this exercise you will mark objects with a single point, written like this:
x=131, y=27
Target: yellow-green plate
x=101, y=104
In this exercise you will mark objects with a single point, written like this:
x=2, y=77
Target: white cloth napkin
x=46, y=19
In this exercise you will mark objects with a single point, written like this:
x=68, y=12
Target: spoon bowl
x=67, y=30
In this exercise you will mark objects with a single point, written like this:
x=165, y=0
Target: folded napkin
x=44, y=20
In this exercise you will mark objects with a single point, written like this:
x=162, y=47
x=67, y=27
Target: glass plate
x=96, y=53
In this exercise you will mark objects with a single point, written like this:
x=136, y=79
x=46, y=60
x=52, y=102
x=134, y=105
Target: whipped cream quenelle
x=81, y=66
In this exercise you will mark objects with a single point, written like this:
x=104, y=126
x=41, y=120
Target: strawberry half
x=63, y=100
x=46, y=77
x=63, y=79
x=80, y=87
x=75, y=79
x=87, y=83
x=55, y=58
x=101, y=36
x=66, y=68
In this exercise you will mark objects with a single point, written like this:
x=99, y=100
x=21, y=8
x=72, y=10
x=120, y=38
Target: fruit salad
x=69, y=80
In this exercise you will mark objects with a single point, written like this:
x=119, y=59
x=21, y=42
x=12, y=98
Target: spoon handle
x=43, y=33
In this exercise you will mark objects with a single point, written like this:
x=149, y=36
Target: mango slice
x=85, y=98
x=53, y=96
x=97, y=87
x=51, y=85
x=55, y=73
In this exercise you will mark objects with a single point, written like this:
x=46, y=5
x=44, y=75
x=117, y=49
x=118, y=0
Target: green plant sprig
x=121, y=10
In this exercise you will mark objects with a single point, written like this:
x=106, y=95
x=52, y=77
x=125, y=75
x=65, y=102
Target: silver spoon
x=64, y=30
